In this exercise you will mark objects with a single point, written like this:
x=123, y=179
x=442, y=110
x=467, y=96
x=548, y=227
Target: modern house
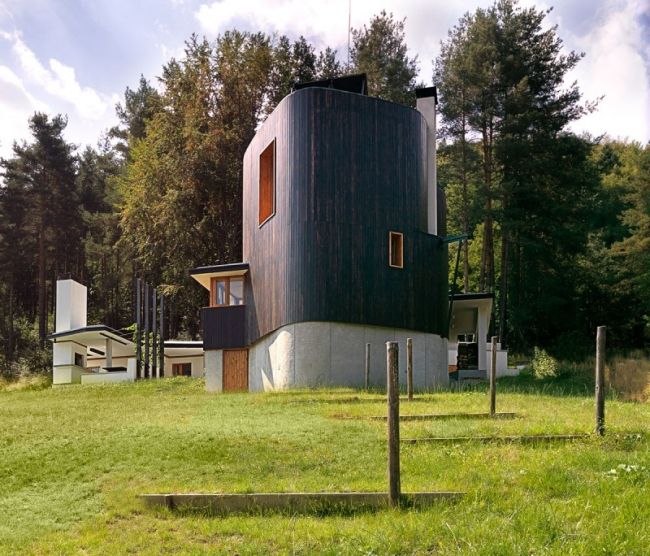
x=342, y=247
x=94, y=354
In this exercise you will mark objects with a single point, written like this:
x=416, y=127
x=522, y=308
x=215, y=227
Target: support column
x=109, y=352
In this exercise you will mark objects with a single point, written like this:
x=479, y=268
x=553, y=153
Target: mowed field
x=74, y=459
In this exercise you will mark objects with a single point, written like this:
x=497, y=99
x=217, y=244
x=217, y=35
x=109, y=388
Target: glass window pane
x=236, y=291
x=220, y=293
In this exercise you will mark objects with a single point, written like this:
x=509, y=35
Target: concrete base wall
x=66, y=374
x=214, y=370
x=312, y=354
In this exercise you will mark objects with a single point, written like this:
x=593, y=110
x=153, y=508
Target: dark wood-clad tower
x=336, y=229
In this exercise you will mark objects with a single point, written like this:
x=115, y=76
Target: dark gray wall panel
x=349, y=169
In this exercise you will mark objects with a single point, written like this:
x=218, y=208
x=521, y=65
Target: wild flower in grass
x=623, y=469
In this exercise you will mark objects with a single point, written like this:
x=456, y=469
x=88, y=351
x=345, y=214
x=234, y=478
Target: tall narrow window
x=267, y=183
x=396, y=250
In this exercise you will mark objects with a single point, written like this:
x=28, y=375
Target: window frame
x=226, y=279
x=400, y=237
x=177, y=366
x=271, y=145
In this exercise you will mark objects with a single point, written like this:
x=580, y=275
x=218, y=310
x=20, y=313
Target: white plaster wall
x=71, y=305
x=64, y=371
x=106, y=378
x=427, y=107
x=66, y=374
x=198, y=365
x=214, y=370
x=312, y=354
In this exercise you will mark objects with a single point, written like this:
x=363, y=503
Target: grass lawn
x=73, y=460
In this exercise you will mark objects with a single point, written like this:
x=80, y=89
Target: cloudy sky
x=77, y=56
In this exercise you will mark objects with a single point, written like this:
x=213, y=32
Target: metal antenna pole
x=349, y=28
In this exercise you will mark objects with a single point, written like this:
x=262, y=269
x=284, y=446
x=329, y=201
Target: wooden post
x=138, y=329
x=493, y=377
x=409, y=368
x=367, y=368
x=154, y=334
x=392, y=387
x=600, y=380
x=146, y=330
x=161, y=347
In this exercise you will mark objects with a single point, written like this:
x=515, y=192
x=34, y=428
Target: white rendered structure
x=314, y=354
x=470, y=317
x=98, y=354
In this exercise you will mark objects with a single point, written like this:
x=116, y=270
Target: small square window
x=78, y=359
x=267, y=183
x=395, y=250
x=227, y=291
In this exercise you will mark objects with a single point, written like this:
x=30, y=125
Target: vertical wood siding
x=349, y=169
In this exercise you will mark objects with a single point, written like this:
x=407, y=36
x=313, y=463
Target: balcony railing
x=223, y=327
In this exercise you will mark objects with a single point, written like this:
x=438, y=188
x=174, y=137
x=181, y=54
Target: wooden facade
x=349, y=170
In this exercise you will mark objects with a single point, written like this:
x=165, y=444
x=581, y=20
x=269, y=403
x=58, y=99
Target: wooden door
x=235, y=370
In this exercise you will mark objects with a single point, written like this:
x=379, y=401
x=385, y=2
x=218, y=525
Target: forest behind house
x=559, y=223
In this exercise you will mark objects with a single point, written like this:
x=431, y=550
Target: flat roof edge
x=218, y=268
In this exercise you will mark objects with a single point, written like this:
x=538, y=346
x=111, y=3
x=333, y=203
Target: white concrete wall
x=106, y=378
x=427, y=107
x=71, y=305
x=64, y=370
x=312, y=354
x=502, y=359
x=198, y=366
x=214, y=370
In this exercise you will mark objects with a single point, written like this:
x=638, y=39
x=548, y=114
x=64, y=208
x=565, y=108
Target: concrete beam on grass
x=533, y=438
x=433, y=416
x=302, y=502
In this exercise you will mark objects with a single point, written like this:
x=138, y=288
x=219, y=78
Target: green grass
x=73, y=460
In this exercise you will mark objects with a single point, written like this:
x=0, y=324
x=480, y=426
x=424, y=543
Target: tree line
x=558, y=223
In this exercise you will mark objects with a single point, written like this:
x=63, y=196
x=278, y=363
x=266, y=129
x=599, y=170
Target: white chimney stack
x=71, y=305
x=426, y=105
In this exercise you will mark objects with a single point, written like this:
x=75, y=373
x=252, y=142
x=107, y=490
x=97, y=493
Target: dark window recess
x=182, y=369
x=78, y=359
x=396, y=250
x=267, y=183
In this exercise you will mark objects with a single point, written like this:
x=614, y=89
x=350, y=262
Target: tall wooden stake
x=493, y=377
x=392, y=386
x=366, y=376
x=161, y=347
x=154, y=333
x=138, y=331
x=600, y=380
x=409, y=368
x=146, y=330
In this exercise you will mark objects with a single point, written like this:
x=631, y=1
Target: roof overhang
x=183, y=348
x=204, y=274
x=482, y=301
x=94, y=339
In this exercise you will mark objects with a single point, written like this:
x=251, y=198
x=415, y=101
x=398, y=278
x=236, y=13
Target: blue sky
x=77, y=56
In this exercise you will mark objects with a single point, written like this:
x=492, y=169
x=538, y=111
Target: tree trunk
x=42, y=301
x=503, y=289
x=465, y=196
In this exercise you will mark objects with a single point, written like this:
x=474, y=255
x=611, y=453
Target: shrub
x=544, y=365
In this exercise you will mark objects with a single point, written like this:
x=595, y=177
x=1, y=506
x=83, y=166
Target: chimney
x=71, y=305
x=427, y=98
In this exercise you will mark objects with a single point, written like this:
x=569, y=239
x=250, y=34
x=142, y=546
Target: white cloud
x=15, y=103
x=614, y=66
x=61, y=82
x=614, y=44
